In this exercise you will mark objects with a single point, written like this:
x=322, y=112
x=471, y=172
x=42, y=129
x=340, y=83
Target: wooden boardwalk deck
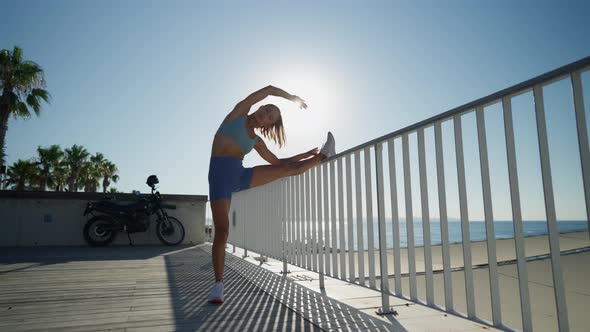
x=157, y=289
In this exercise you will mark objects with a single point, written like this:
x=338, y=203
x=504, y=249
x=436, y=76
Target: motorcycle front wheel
x=97, y=232
x=170, y=232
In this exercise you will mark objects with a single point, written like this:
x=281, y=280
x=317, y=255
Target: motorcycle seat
x=122, y=207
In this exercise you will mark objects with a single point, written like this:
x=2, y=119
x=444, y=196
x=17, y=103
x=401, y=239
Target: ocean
x=477, y=231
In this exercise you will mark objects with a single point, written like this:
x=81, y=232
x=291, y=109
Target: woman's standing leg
x=220, y=212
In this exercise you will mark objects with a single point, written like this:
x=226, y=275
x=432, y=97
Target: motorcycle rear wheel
x=170, y=232
x=95, y=234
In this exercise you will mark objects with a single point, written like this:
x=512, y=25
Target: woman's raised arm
x=243, y=107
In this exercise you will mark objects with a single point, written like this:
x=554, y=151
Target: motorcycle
x=110, y=217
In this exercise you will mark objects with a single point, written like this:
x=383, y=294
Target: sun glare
x=317, y=89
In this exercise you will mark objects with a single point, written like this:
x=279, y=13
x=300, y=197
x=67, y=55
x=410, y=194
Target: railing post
x=293, y=235
x=297, y=220
x=359, y=217
x=558, y=286
x=489, y=217
x=289, y=219
x=327, y=242
x=246, y=213
x=394, y=218
x=582, y=138
x=234, y=224
x=283, y=211
x=369, y=201
x=314, y=237
x=349, y=219
x=340, y=196
x=385, y=308
x=409, y=217
x=467, y=262
x=334, y=240
x=425, y=218
x=523, y=279
x=321, y=241
x=308, y=241
x=444, y=225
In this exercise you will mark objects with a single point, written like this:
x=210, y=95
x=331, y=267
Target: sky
x=147, y=83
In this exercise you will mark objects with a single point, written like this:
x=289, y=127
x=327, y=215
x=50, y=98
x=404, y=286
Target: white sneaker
x=329, y=148
x=216, y=295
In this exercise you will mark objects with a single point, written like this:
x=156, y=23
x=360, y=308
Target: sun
x=318, y=89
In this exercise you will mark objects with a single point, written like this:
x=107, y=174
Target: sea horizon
x=503, y=229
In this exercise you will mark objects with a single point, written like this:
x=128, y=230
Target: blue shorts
x=226, y=176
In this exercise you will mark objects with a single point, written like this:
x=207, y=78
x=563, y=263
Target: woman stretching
x=234, y=139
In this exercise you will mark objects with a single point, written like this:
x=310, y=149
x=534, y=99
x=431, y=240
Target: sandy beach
x=575, y=260
x=505, y=252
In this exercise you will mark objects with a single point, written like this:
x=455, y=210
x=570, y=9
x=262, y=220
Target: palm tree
x=91, y=173
x=49, y=160
x=76, y=157
x=59, y=176
x=109, y=173
x=88, y=177
x=21, y=85
x=2, y=156
x=21, y=173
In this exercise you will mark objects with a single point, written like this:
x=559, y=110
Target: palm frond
x=34, y=104
x=21, y=173
x=42, y=93
x=77, y=154
x=17, y=55
x=22, y=84
x=2, y=155
x=28, y=76
x=49, y=158
x=11, y=99
x=21, y=111
x=4, y=57
x=98, y=160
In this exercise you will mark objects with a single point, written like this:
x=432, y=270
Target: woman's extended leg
x=264, y=174
x=220, y=213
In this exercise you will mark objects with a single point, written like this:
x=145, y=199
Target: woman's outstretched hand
x=312, y=152
x=298, y=100
x=302, y=156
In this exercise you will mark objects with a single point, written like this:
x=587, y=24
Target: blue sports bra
x=236, y=129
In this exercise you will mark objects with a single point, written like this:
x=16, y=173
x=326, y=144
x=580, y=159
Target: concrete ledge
x=56, y=218
x=92, y=196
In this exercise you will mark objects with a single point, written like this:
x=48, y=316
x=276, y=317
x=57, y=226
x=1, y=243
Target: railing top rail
x=548, y=76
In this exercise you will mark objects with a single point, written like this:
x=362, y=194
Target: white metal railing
x=309, y=220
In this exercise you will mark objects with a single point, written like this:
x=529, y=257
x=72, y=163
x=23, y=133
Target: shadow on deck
x=157, y=289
